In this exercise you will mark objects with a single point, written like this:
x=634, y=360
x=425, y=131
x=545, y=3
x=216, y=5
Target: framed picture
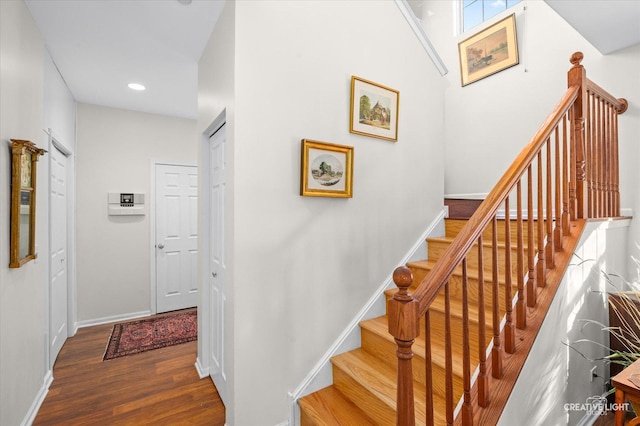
x=490, y=51
x=374, y=109
x=327, y=170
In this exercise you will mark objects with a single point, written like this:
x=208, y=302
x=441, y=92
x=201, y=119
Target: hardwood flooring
x=159, y=387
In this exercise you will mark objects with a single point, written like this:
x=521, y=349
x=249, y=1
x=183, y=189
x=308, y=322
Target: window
x=475, y=12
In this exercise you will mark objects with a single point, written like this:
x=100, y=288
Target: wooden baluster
x=404, y=327
x=509, y=329
x=566, y=217
x=598, y=158
x=531, y=246
x=616, y=203
x=448, y=357
x=549, y=248
x=483, y=377
x=428, y=373
x=467, y=408
x=541, y=267
x=496, y=354
x=521, y=313
x=557, y=235
x=609, y=166
x=589, y=153
x=577, y=77
x=613, y=152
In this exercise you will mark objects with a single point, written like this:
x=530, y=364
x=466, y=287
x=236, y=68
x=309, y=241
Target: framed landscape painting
x=490, y=51
x=374, y=109
x=327, y=170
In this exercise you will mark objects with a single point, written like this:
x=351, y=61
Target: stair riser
x=436, y=249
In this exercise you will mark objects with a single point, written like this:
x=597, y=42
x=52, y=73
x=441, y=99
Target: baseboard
x=115, y=318
x=320, y=376
x=202, y=371
x=476, y=196
x=39, y=399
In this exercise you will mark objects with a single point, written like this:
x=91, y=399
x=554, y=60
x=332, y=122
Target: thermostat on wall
x=125, y=204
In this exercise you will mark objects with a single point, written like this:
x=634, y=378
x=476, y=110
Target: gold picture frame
x=489, y=51
x=23, y=201
x=326, y=170
x=374, y=109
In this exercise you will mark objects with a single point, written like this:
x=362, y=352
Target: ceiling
x=100, y=46
x=608, y=25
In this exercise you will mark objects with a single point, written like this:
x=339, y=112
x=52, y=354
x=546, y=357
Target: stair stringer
x=321, y=374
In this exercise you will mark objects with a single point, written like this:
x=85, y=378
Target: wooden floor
x=159, y=387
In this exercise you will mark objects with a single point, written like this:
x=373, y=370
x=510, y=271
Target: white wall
x=303, y=267
x=114, y=152
x=216, y=96
x=23, y=290
x=490, y=121
x=554, y=374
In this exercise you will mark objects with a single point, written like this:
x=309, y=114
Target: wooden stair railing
x=568, y=172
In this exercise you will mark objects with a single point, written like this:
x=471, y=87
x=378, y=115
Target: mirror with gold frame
x=23, y=201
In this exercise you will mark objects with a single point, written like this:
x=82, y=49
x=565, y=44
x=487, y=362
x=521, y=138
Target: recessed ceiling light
x=136, y=86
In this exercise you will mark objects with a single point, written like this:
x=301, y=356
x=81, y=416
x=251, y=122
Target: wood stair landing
x=364, y=380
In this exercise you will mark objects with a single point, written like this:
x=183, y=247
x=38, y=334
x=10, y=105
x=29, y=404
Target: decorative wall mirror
x=23, y=201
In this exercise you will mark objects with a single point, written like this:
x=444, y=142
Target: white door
x=217, y=266
x=58, y=331
x=176, y=237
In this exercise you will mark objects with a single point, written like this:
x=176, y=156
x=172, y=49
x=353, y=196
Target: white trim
x=201, y=369
x=153, y=307
x=39, y=399
x=350, y=338
x=114, y=318
x=472, y=196
x=416, y=26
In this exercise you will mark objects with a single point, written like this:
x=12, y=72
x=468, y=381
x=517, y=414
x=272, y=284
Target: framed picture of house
x=374, y=109
x=489, y=51
x=327, y=170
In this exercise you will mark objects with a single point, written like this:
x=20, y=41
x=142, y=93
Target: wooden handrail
x=570, y=167
x=459, y=248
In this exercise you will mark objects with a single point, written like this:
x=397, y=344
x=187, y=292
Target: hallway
x=156, y=387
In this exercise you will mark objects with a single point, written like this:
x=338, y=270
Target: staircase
x=364, y=380
x=462, y=322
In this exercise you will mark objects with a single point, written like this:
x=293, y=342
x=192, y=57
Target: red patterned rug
x=133, y=337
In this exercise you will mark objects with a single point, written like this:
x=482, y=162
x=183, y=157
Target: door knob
x=160, y=246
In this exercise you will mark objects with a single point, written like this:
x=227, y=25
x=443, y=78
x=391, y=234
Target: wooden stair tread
x=329, y=406
x=472, y=272
x=380, y=326
x=380, y=379
x=486, y=244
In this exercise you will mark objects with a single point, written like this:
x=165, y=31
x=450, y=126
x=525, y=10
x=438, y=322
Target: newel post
x=404, y=326
x=577, y=76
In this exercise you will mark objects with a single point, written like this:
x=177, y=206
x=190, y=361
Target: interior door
x=217, y=265
x=176, y=237
x=58, y=322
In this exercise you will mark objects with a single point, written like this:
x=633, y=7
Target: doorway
x=59, y=328
x=175, y=237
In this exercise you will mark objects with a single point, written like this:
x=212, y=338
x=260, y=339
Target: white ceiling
x=100, y=46
x=608, y=25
